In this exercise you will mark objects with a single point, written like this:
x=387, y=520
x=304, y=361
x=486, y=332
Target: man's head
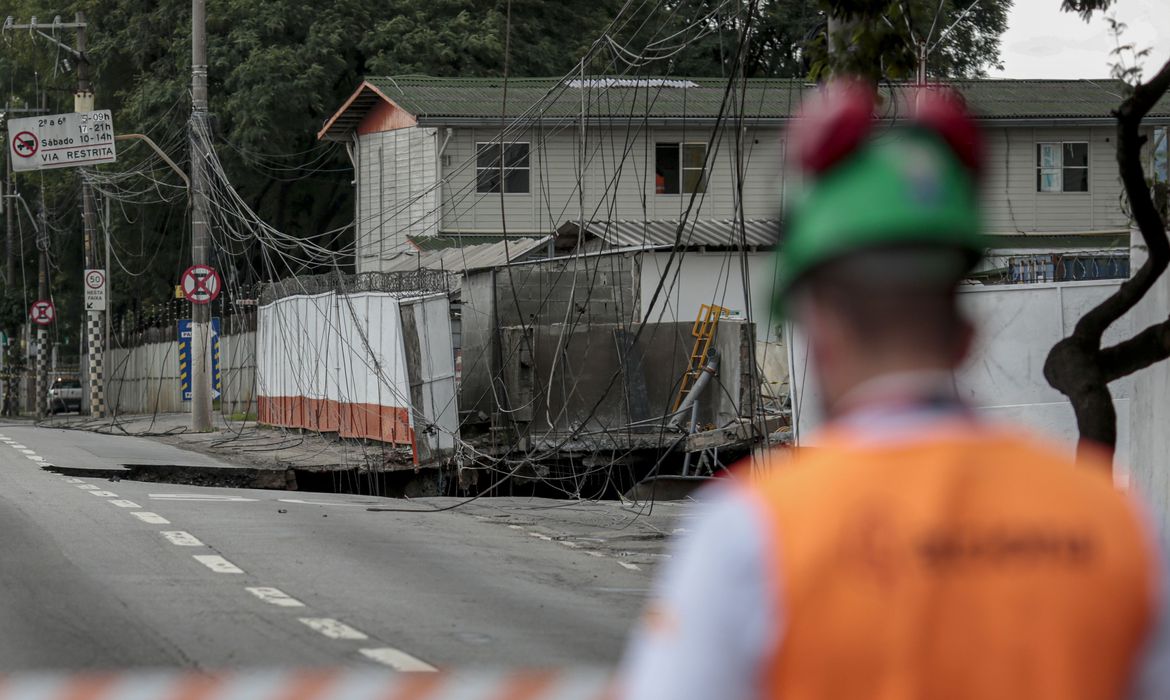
x=878, y=246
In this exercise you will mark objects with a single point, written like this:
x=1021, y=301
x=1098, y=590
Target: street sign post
x=95, y=290
x=62, y=140
x=42, y=312
x=185, y=360
x=200, y=284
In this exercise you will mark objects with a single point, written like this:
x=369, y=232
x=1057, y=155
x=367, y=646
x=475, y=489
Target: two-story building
x=639, y=200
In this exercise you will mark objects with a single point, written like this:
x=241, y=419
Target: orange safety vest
x=975, y=563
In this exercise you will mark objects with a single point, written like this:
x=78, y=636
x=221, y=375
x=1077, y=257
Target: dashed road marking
x=28, y=451
x=35, y=458
x=333, y=629
x=181, y=538
x=397, y=659
x=104, y=494
x=73, y=480
x=125, y=504
x=539, y=536
x=627, y=565
x=595, y=554
x=199, y=497
x=152, y=518
x=275, y=596
x=516, y=527
x=86, y=487
x=15, y=446
x=570, y=545
x=218, y=564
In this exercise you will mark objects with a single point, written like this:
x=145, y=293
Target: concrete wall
x=145, y=379
x=1017, y=325
x=605, y=381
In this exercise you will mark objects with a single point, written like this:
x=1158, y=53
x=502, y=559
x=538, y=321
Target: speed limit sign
x=95, y=290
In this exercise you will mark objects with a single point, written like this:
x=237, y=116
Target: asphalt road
x=101, y=574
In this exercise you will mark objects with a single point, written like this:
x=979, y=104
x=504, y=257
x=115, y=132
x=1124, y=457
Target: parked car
x=65, y=395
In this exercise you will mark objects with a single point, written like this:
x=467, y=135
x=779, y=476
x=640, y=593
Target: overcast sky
x=1043, y=42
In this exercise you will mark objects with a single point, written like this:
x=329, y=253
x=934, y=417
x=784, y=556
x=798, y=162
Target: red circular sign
x=200, y=284
x=42, y=312
x=25, y=144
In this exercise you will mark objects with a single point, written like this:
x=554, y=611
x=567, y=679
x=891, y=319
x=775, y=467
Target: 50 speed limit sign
x=95, y=290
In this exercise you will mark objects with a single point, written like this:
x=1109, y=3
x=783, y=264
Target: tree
x=1078, y=366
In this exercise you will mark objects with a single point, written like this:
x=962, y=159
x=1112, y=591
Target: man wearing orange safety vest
x=917, y=550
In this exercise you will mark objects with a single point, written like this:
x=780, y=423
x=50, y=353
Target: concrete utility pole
x=83, y=101
x=200, y=313
x=42, y=383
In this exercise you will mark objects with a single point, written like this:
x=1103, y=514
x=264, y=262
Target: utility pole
x=83, y=101
x=42, y=383
x=200, y=313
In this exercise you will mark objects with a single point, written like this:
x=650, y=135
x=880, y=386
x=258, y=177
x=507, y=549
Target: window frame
x=679, y=147
x=1059, y=168
x=498, y=166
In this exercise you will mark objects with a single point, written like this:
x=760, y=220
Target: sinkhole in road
x=558, y=480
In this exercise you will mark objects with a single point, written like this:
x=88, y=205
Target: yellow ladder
x=706, y=323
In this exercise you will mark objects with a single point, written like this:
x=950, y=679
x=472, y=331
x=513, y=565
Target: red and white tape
x=310, y=685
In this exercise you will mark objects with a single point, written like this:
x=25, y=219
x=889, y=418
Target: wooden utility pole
x=200, y=313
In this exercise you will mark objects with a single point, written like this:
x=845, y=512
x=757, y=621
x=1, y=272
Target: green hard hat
x=903, y=188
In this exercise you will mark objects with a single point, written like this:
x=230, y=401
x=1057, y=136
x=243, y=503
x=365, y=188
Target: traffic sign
x=200, y=284
x=95, y=290
x=186, y=358
x=42, y=312
x=62, y=140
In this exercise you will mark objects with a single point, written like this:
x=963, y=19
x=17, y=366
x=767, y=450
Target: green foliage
x=881, y=39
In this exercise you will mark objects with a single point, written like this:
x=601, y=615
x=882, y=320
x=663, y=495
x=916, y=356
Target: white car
x=65, y=395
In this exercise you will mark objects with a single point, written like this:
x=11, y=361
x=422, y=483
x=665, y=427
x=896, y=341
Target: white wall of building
x=397, y=192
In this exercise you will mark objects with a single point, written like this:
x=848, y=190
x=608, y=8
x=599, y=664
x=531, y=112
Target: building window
x=1062, y=167
x=678, y=168
x=515, y=168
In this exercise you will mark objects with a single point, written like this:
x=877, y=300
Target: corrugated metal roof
x=662, y=233
x=436, y=99
x=459, y=259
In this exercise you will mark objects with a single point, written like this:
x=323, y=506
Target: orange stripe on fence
x=416, y=686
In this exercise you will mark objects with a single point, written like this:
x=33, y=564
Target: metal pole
x=200, y=313
x=10, y=223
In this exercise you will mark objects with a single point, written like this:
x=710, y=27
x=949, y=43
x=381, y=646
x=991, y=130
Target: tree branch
x=1142, y=350
x=1129, y=158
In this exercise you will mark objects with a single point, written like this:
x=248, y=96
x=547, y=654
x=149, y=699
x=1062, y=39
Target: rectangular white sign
x=95, y=290
x=61, y=140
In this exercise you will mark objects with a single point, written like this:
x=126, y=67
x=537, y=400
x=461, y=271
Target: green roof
x=435, y=98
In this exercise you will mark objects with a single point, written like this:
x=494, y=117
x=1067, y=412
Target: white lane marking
x=181, y=538
x=152, y=518
x=570, y=545
x=125, y=504
x=325, y=503
x=15, y=446
x=595, y=554
x=86, y=487
x=36, y=458
x=516, y=527
x=631, y=567
x=397, y=659
x=218, y=564
x=199, y=497
x=275, y=596
x=333, y=629
x=539, y=536
x=73, y=480
x=28, y=451
x=104, y=494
